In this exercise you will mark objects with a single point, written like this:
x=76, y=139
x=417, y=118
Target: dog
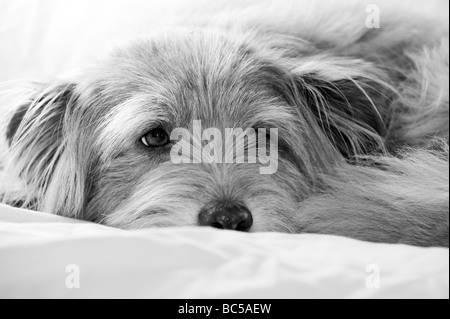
x=361, y=113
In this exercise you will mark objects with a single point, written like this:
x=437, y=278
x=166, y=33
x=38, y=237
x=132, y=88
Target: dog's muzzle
x=226, y=215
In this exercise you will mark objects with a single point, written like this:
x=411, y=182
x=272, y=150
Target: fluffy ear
x=15, y=122
x=42, y=112
x=37, y=142
x=349, y=101
x=348, y=96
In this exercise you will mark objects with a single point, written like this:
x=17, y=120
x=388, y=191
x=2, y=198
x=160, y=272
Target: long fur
x=362, y=114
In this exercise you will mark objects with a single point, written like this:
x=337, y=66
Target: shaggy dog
x=361, y=109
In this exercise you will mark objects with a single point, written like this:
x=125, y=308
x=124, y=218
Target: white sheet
x=36, y=249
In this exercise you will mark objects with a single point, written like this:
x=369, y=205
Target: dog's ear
x=36, y=138
x=349, y=101
x=346, y=96
x=15, y=122
x=40, y=115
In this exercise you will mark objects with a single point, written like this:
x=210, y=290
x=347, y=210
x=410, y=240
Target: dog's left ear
x=349, y=101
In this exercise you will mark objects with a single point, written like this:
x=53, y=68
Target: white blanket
x=46, y=256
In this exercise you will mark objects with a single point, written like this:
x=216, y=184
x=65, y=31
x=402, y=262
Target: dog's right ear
x=14, y=123
x=35, y=134
x=42, y=112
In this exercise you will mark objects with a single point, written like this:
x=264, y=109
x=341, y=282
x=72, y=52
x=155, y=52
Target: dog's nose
x=229, y=216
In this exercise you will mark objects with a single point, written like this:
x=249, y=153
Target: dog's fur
x=363, y=119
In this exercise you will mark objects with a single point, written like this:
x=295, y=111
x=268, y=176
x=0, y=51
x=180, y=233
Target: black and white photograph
x=224, y=155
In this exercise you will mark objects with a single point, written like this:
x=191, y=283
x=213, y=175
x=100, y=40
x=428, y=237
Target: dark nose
x=229, y=216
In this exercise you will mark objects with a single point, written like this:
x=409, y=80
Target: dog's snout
x=226, y=216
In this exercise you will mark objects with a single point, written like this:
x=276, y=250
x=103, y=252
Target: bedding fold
x=46, y=256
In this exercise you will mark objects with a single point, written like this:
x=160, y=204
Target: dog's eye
x=156, y=138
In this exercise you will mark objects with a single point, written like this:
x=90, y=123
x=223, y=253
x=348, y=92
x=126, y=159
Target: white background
x=45, y=38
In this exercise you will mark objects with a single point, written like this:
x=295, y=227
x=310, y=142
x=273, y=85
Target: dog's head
x=101, y=148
